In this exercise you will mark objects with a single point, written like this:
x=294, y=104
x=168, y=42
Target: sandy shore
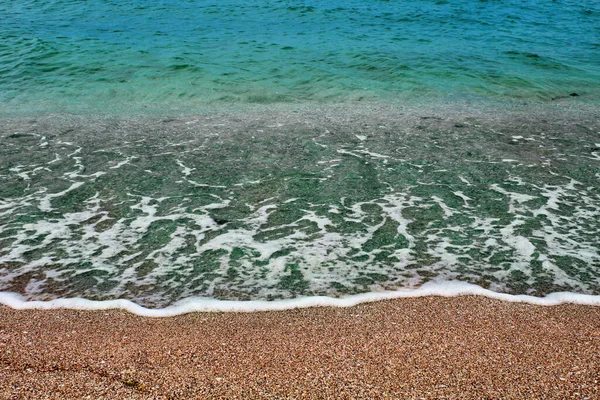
x=467, y=347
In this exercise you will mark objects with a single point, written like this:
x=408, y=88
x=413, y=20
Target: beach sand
x=429, y=347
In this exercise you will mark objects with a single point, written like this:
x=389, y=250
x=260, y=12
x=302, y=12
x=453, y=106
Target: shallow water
x=280, y=204
x=276, y=150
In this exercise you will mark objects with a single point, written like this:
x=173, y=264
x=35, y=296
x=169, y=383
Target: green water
x=276, y=204
x=278, y=149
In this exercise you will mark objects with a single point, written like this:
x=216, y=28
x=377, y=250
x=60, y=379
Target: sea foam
x=198, y=304
x=216, y=210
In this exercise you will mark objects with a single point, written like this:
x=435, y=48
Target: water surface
x=279, y=149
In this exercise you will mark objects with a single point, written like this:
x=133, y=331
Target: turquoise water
x=271, y=150
x=66, y=56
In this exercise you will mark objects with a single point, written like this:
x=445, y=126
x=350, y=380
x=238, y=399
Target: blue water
x=67, y=56
x=266, y=150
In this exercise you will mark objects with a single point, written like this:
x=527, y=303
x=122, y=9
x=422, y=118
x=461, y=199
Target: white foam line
x=376, y=155
x=464, y=180
x=204, y=184
x=185, y=170
x=122, y=163
x=45, y=203
x=341, y=151
x=320, y=144
x=195, y=304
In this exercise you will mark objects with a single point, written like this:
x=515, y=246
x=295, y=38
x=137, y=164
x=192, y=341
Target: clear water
x=269, y=150
x=69, y=56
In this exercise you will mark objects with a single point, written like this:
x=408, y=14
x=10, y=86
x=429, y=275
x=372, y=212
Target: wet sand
x=432, y=347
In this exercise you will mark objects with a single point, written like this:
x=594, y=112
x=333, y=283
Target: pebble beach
x=467, y=347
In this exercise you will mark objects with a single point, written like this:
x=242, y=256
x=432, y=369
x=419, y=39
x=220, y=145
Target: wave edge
x=200, y=304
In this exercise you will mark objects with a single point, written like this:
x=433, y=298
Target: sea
x=179, y=155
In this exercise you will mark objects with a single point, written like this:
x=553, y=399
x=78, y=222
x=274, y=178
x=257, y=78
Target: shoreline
x=447, y=289
x=426, y=347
